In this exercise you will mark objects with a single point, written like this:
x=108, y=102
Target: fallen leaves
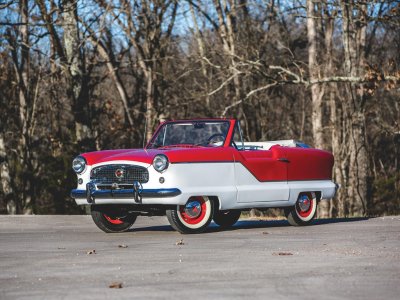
x=180, y=242
x=265, y=232
x=282, y=253
x=122, y=246
x=115, y=285
x=91, y=252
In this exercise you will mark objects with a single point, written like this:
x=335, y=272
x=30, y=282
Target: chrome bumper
x=148, y=193
x=91, y=193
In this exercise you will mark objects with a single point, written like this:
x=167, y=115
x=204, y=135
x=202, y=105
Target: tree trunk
x=354, y=35
x=150, y=112
x=23, y=149
x=54, y=37
x=5, y=178
x=78, y=90
x=200, y=44
x=317, y=92
x=227, y=32
x=337, y=205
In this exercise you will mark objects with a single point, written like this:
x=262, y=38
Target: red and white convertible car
x=195, y=171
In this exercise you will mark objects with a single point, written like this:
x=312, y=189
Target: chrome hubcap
x=193, y=209
x=304, y=203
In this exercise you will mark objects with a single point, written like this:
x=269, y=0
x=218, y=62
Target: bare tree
x=108, y=55
x=19, y=43
x=144, y=24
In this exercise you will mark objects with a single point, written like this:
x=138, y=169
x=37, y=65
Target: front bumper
x=125, y=193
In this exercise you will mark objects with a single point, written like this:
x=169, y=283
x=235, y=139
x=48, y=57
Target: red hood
x=174, y=155
x=139, y=155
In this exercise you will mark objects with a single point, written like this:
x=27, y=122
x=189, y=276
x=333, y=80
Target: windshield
x=191, y=134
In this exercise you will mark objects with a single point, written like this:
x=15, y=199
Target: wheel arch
x=294, y=195
x=317, y=194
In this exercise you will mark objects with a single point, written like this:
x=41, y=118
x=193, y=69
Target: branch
x=22, y=24
x=368, y=77
x=351, y=79
x=249, y=94
x=210, y=63
x=209, y=19
x=298, y=79
x=5, y=5
x=377, y=77
x=222, y=85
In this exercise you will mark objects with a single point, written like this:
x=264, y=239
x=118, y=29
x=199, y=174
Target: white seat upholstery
x=268, y=144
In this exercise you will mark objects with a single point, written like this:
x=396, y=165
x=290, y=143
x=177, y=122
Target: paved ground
x=45, y=257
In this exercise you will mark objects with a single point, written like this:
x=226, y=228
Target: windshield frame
x=162, y=125
x=239, y=128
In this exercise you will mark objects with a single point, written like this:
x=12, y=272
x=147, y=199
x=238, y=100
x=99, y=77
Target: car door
x=261, y=175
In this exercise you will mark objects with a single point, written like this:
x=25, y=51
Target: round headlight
x=79, y=164
x=160, y=162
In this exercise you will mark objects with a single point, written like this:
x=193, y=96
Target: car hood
x=175, y=155
x=139, y=155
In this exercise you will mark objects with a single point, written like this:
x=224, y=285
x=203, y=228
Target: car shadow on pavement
x=250, y=224
x=151, y=228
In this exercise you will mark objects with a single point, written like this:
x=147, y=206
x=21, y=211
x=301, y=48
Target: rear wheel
x=111, y=218
x=193, y=217
x=304, y=211
x=226, y=218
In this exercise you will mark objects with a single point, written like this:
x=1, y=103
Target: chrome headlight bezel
x=160, y=163
x=79, y=164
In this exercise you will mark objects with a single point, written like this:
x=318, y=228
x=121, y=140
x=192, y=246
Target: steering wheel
x=212, y=139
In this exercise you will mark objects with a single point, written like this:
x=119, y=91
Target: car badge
x=119, y=173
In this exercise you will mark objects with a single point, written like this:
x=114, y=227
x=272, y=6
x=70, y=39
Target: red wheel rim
x=305, y=213
x=198, y=203
x=112, y=220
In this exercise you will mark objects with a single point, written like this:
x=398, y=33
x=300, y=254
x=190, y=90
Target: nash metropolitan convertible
x=195, y=171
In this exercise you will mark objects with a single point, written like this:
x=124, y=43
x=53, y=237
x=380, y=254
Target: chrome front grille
x=110, y=174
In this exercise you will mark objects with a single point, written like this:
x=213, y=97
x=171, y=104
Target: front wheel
x=193, y=217
x=112, y=219
x=304, y=211
x=226, y=218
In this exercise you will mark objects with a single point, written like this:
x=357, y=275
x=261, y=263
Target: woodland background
x=84, y=75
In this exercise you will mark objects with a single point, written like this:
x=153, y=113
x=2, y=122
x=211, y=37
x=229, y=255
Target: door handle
x=283, y=159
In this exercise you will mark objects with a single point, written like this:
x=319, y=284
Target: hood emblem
x=119, y=173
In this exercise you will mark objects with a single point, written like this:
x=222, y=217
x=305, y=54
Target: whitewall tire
x=304, y=211
x=193, y=217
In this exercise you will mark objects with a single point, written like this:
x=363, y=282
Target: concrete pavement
x=46, y=257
